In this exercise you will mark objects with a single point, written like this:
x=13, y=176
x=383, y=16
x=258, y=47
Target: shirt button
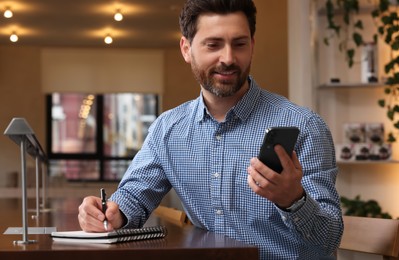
x=218, y=137
x=216, y=175
x=219, y=212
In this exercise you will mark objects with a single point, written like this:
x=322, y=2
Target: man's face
x=220, y=53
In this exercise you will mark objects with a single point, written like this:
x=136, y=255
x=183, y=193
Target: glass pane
x=127, y=118
x=75, y=169
x=73, y=119
x=114, y=170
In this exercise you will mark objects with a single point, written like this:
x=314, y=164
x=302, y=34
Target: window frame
x=98, y=155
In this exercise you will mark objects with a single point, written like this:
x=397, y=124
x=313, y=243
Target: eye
x=212, y=45
x=240, y=44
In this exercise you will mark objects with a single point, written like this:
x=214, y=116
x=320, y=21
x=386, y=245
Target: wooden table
x=182, y=242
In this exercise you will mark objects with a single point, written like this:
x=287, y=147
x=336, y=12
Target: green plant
x=361, y=208
x=385, y=15
x=388, y=27
x=349, y=40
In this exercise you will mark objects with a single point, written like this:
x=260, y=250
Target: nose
x=227, y=55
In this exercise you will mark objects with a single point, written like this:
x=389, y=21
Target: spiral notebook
x=120, y=235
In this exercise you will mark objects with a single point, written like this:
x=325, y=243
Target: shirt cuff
x=302, y=214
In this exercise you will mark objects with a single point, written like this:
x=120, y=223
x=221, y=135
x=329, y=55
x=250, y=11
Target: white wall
x=102, y=70
x=301, y=83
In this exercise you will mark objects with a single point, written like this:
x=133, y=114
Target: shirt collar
x=202, y=111
x=245, y=106
x=242, y=109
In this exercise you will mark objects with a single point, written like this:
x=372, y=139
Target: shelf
x=366, y=9
x=366, y=162
x=352, y=85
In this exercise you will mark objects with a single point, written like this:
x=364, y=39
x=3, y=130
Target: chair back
x=172, y=215
x=371, y=235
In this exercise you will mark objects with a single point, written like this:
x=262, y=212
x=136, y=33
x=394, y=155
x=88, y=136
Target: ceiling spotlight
x=14, y=37
x=108, y=39
x=118, y=15
x=8, y=13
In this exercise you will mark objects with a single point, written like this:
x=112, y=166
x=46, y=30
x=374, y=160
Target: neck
x=219, y=106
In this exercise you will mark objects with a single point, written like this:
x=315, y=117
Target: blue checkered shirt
x=206, y=163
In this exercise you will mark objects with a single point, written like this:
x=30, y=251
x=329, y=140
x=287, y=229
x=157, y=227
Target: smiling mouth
x=226, y=73
x=230, y=72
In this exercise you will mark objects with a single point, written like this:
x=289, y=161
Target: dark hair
x=194, y=8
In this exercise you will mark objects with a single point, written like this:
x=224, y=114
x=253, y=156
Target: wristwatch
x=297, y=204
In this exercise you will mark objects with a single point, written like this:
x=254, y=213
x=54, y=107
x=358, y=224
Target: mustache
x=223, y=68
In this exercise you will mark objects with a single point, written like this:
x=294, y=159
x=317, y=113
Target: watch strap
x=297, y=204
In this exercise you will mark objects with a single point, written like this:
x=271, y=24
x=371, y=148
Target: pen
x=104, y=206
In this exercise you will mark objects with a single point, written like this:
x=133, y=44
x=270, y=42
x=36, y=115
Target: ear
x=185, y=48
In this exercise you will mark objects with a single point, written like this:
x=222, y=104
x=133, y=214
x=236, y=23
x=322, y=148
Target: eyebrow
x=222, y=39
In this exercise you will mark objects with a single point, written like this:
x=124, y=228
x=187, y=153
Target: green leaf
x=387, y=91
x=375, y=13
x=381, y=30
x=391, y=138
x=381, y=102
x=390, y=114
x=395, y=45
x=337, y=29
x=386, y=20
x=350, y=62
x=350, y=53
x=388, y=38
x=390, y=80
x=394, y=16
x=359, y=24
x=358, y=39
x=395, y=28
x=396, y=125
x=329, y=8
x=355, y=5
x=388, y=67
x=326, y=41
x=384, y=5
x=346, y=19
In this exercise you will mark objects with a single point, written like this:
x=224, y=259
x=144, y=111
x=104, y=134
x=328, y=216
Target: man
x=206, y=149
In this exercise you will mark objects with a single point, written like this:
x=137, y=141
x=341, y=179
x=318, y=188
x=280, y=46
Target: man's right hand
x=91, y=218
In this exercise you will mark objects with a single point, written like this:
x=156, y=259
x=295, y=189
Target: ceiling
x=85, y=23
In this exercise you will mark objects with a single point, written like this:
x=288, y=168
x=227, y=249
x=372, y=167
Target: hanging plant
x=349, y=41
x=387, y=20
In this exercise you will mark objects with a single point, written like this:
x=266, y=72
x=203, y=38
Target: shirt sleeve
x=143, y=185
x=318, y=223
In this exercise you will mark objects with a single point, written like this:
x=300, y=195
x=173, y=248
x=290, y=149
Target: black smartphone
x=286, y=137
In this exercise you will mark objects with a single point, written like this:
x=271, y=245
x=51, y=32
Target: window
x=94, y=137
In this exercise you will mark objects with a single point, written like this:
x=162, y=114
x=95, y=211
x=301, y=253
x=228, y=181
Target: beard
x=220, y=88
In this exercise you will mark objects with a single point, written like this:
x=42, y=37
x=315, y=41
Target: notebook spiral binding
x=125, y=235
